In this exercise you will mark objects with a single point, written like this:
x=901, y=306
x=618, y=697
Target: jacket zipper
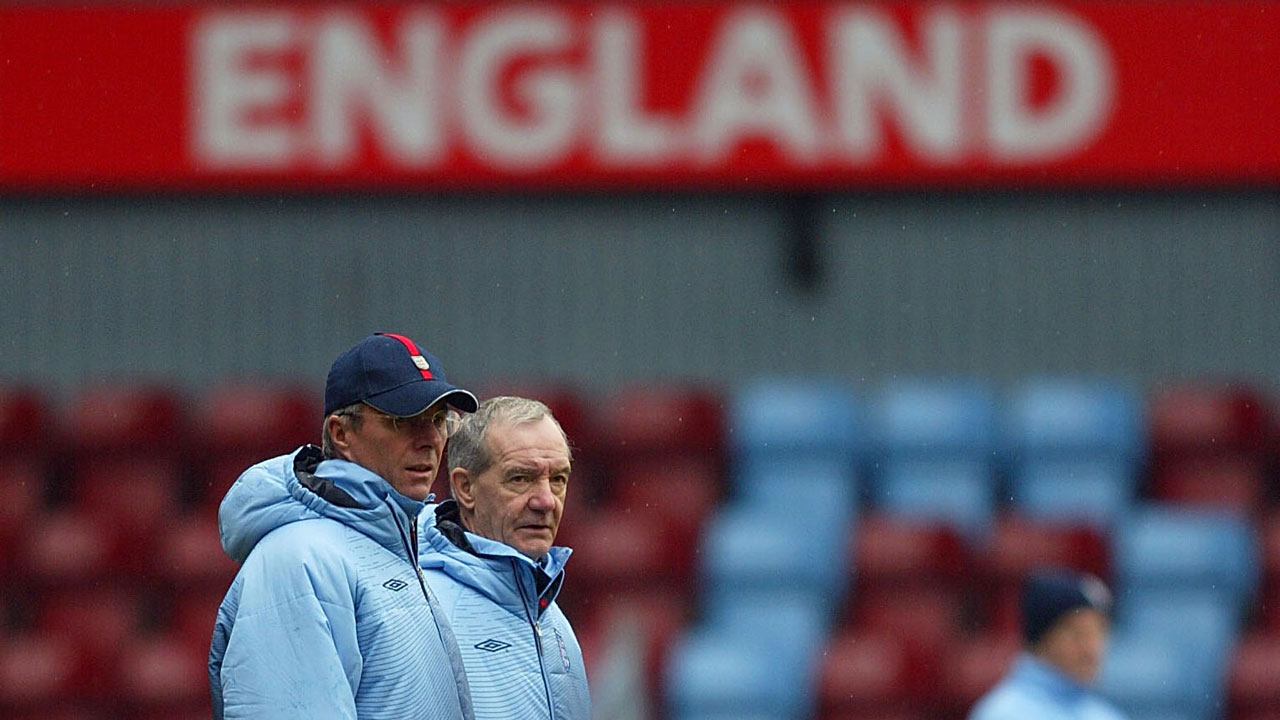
x=537, y=639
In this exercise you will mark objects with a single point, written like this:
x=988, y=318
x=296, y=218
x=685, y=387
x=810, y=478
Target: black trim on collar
x=449, y=523
x=304, y=466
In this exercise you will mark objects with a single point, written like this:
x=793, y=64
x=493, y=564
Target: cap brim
x=413, y=398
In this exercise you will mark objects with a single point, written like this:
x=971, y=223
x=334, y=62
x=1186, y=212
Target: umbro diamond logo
x=395, y=584
x=492, y=645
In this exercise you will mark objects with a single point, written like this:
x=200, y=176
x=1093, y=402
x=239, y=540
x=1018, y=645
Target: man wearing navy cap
x=1065, y=625
x=329, y=615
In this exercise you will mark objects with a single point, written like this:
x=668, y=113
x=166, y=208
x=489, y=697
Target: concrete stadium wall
x=605, y=289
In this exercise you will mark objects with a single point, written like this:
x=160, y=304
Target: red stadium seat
x=1254, y=680
x=192, y=614
x=897, y=551
x=97, y=624
x=653, y=421
x=873, y=671
x=24, y=422
x=39, y=672
x=928, y=618
x=126, y=418
x=162, y=672
x=622, y=550
x=1235, y=484
x=1019, y=544
x=22, y=494
x=1207, y=419
x=136, y=492
x=683, y=491
x=872, y=715
x=258, y=419
x=189, y=555
x=71, y=549
x=971, y=668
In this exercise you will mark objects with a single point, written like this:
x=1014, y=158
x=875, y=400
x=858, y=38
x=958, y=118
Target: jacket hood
x=303, y=486
x=498, y=571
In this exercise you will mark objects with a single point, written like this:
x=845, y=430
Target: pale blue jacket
x=328, y=616
x=1034, y=690
x=522, y=658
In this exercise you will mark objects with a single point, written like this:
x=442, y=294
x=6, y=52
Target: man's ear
x=338, y=434
x=463, y=488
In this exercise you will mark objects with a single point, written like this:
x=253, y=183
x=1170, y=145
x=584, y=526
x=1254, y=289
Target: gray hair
x=326, y=442
x=468, y=446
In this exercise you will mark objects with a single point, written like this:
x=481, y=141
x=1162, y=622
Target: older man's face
x=519, y=499
x=1076, y=644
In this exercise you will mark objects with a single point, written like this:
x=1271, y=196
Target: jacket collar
x=1030, y=670
x=495, y=569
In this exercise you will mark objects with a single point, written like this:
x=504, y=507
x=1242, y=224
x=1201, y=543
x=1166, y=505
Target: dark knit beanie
x=1049, y=594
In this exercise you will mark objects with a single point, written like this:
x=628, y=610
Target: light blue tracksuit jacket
x=1033, y=689
x=522, y=658
x=328, y=616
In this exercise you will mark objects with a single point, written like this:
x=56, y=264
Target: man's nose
x=542, y=499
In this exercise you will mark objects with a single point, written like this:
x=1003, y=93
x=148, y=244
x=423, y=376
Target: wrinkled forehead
x=536, y=442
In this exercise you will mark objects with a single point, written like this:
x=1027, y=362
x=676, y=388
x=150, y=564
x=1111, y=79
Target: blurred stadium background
x=825, y=419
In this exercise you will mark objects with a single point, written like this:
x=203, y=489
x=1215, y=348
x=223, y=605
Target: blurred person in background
x=329, y=616
x=489, y=554
x=1065, y=625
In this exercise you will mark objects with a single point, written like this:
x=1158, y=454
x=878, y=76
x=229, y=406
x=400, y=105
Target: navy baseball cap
x=394, y=375
x=1051, y=593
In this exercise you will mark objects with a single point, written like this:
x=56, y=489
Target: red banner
x=702, y=95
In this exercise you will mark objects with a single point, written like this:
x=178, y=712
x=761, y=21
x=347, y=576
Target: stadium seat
x=1232, y=484
x=192, y=613
x=24, y=422
x=683, y=491
x=189, y=556
x=795, y=418
x=794, y=486
x=1160, y=548
x=755, y=658
x=1019, y=544
x=877, y=671
x=924, y=418
x=958, y=492
x=927, y=618
x=1095, y=491
x=1254, y=681
x=972, y=666
x=96, y=625
x=72, y=549
x=621, y=550
x=1159, y=676
x=22, y=496
x=1203, y=419
x=748, y=551
x=39, y=672
x=125, y=418
x=162, y=672
x=1074, y=418
x=138, y=493
x=237, y=424
x=649, y=421
x=892, y=551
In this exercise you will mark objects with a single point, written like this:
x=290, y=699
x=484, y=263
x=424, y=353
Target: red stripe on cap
x=413, y=350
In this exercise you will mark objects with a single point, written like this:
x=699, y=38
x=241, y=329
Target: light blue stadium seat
x=1159, y=675
x=1097, y=492
x=960, y=493
x=794, y=417
x=934, y=418
x=799, y=488
x=1163, y=548
x=1074, y=417
x=753, y=551
x=754, y=659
